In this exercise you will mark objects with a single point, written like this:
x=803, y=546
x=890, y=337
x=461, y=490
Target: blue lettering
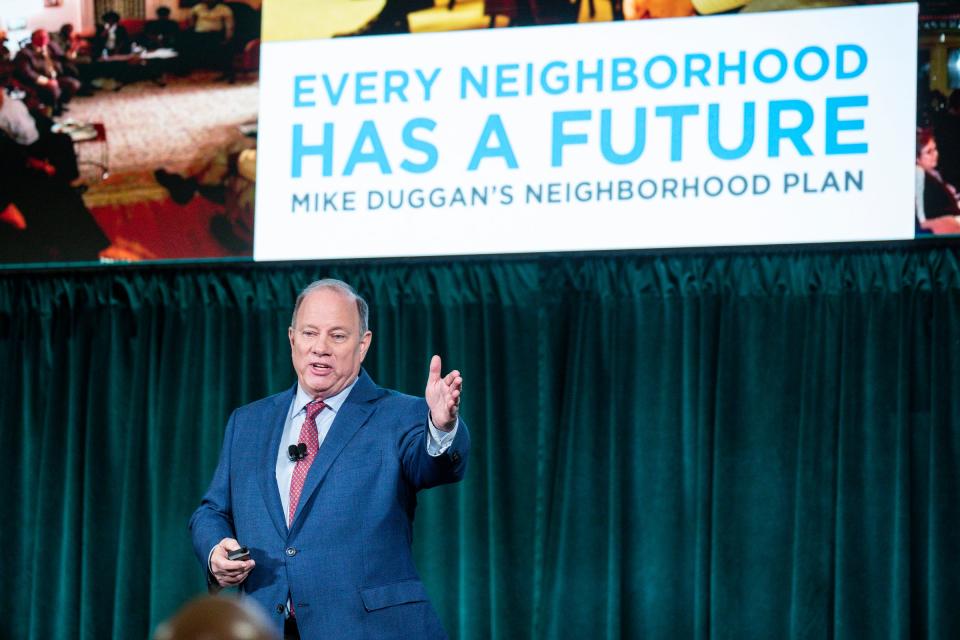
x=834, y=125
x=390, y=87
x=740, y=68
x=639, y=137
x=479, y=85
x=842, y=50
x=583, y=75
x=505, y=82
x=713, y=132
x=671, y=72
x=376, y=155
x=676, y=115
x=798, y=63
x=564, y=80
x=758, y=66
x=428, y=149
x=300, y=150
x=335, y=95
x=777, y=132
x=427, y=82
x=493, y=127
x=560, y=138
x=699, y=72
x=299, y=91
x=624, y=79
x=363, y=87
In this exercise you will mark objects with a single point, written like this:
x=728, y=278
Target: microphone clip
x=297, y=452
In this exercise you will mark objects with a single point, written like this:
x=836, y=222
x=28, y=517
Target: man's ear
x=365, y=344
x=290, y=336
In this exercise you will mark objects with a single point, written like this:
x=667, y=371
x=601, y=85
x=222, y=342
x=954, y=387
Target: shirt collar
x=333, y=402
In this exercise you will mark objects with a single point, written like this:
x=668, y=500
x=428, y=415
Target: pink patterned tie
x=309, y=437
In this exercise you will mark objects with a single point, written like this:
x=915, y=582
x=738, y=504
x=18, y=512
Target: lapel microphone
x=297, y=452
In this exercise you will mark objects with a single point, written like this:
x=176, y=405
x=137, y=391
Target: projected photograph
x=128, y=130
x=938, y=120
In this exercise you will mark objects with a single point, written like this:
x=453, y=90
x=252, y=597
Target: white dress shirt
x=17, y=123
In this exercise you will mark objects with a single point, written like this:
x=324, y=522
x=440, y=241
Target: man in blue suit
x=320, y=483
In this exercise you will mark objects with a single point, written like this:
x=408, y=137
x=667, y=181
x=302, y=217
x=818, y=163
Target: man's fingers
x=231, y=576
x=237, y=574
x=223, y=567
x=231, y=580
x=235, y=566
x=434, y=369
x=443, y=393
x=228, y=543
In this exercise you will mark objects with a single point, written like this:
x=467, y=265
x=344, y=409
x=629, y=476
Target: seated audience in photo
x=227, y=179
x=113, y=66
x=38, y=143
x=6, y=59
x=211, y=36
x=519, y=13
x=237, y=158
x=111, y=38
x=937, y=207
x=72, y=52
x=43, y=219
x=161, y=33
x=646, y=9
x=391, y=19
x=947, y=131
x=522, y=13
x=5, y=55
x=69, y=44
x=37, y=68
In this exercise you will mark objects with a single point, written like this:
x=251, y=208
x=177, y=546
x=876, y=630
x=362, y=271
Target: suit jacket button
x=291, y=551
x=455, y=456
x=280, y=608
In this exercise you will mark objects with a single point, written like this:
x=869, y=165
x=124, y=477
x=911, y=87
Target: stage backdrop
x=748, y=445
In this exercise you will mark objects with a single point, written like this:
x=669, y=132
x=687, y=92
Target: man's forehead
x=329, y=301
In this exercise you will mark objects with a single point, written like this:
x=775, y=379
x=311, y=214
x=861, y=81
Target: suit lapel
x=274, y=419
x=352, y=416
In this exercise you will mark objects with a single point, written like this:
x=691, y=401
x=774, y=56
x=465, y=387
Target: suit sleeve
x=421, y=469
x=213, y=520
x=24, y=66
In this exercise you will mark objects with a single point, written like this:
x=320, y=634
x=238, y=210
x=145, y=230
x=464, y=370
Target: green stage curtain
x=752, y=444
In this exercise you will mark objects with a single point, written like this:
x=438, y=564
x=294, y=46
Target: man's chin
x=320, y=385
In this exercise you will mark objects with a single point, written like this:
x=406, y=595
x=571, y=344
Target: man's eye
x=309, y=334
x=339, y=336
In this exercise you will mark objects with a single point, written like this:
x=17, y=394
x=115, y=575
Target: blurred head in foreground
x=217, y=618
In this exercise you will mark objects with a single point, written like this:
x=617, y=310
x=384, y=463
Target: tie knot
x=313, y=408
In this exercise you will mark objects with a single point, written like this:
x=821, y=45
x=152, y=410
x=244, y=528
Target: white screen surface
x=787, y=127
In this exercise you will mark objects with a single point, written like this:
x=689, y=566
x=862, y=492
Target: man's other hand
x=229, y=573
x=443, y=396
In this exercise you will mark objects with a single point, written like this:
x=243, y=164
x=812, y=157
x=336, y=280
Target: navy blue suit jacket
x=346, y=560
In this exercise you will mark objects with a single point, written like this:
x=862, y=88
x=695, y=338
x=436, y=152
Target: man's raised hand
x=443, y=396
